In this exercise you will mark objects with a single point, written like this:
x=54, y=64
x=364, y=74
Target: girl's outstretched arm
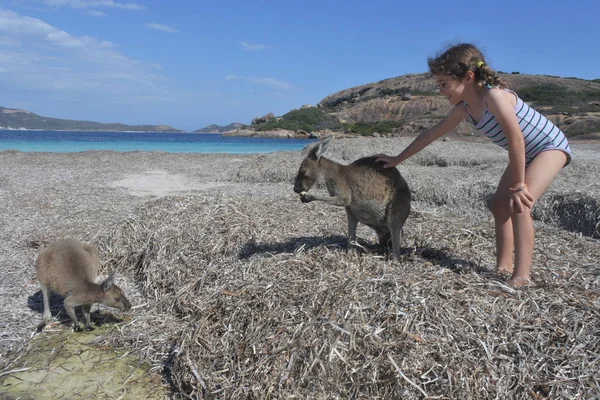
x=451, y=120
x=500, y=106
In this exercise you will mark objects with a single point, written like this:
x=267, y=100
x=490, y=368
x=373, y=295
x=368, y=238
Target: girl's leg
x=503, y=223
x=539, y=174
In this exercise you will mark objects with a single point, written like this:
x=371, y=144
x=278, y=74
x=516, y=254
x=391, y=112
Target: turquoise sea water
x=52, y=141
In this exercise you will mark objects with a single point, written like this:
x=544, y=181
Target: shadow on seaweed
x=36, y=303
x=291, y=245
x=310, y=242
x=447, y=260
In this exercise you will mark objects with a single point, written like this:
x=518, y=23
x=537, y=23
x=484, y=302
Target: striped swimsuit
x=539, y=133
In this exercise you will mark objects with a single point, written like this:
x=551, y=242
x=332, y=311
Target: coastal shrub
x=307, y=119
x=366, y=128
x=402, y=91
x=393, y=91
x=562, y=99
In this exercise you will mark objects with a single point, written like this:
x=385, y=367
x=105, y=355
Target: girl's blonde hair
x=463, y=57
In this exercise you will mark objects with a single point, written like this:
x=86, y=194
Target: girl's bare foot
x=517, y=281
x=504, y=270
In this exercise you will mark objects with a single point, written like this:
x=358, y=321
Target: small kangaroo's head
x=113, y=295
x=310, y=169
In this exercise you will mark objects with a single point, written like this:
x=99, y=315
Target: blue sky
x=190, y=63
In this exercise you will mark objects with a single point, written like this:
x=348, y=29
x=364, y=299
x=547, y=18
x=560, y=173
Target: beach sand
x=45, y=196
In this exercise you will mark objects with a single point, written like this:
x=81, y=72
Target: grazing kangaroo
x=69, y=268
x=375, y=196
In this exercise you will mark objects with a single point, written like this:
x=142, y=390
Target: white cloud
x=37, y=55
x=253, y=46
x=269, y=82
x=106, y=44
x=159, y=27
x=93, y=4
x=95, y=13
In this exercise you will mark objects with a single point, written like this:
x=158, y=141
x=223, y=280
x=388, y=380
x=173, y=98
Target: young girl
x=537, y=149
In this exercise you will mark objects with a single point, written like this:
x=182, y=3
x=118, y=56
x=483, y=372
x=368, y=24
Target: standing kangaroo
x=69, y=268
x=375, y=196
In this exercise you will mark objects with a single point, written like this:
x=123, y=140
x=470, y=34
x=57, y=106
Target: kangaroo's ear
x=322, y=147
x=108, y=282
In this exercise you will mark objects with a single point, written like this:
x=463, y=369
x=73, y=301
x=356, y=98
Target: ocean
x=68, y=142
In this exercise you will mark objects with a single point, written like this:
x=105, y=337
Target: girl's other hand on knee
x=520, y=198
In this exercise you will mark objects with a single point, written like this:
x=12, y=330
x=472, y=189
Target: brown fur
x=375, y=196
x=69, y=268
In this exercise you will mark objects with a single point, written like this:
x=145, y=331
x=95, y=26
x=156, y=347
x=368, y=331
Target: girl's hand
x=390, y=162
x=520, y=199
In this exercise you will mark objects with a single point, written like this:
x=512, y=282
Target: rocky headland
x=410, y=104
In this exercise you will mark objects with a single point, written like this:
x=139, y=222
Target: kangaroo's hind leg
x=396, y=239
x=352, y=224
x=70, y=305
x=395, y=224
x=384, y=237
x=86, y=308
x=47, y=316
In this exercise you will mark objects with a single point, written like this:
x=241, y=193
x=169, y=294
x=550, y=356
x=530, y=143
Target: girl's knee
x=524, y=215
x=500, y=208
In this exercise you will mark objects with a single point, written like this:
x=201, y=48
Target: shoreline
x=593, y=137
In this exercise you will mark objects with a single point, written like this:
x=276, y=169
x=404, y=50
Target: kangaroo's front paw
x=306, y=198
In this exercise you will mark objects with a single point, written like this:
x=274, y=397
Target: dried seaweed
x=241, y=291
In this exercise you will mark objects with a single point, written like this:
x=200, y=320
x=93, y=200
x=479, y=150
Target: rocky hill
x=574, y=104
x=11, y=118
x=219, y=129
x=410, y=104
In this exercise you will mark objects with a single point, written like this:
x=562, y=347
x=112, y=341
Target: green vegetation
x=562, y=99
x=366, y=128
x=315, y=119
x=401, y=91
x=393, y=91
x=307, y=119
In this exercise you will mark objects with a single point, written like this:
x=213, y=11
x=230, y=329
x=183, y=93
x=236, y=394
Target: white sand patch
x=160, y=183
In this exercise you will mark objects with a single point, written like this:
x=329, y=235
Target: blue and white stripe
x=539, y=132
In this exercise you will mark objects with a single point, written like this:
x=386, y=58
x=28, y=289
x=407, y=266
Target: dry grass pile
x=248, y=293
x=577, y=212
x=259, y=299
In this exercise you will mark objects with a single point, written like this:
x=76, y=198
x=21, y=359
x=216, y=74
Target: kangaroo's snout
x=306, y=177
x=298, y=188
x=126, y=306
